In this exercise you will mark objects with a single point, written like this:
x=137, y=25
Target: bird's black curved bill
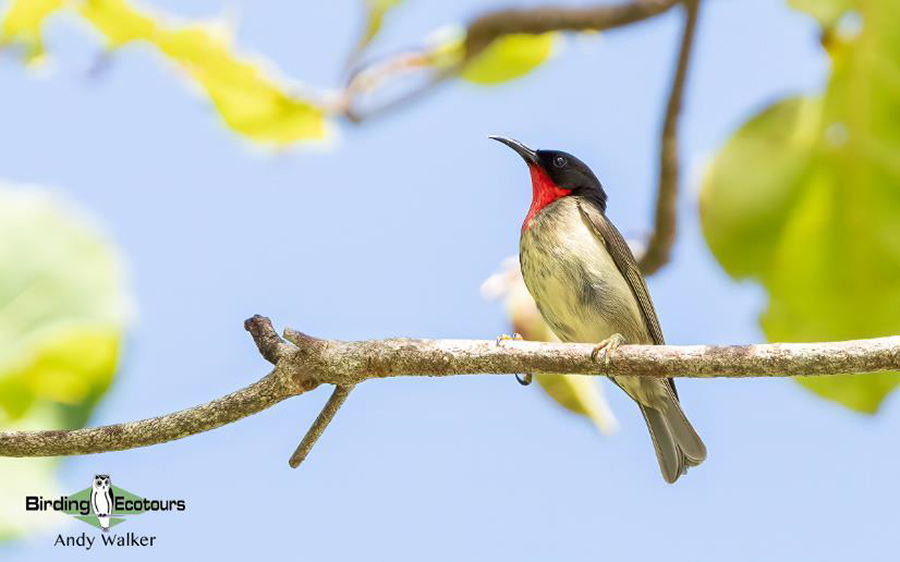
x=526, y=153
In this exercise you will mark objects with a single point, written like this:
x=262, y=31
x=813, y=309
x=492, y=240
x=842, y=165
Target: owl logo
x=102, y=499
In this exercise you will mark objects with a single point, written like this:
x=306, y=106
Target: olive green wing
x=610, y=237
x=621, y=254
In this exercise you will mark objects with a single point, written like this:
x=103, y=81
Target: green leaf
x=744, y=205
x=805, y=199
x=250, y=101
x=23, y=21
x=581, y=395
x=508, y=58
x=826, y=11
x=62, y=307
x=376, y=10
x=62, y=314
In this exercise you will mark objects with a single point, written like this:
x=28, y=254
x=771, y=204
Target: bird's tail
x=677, y=444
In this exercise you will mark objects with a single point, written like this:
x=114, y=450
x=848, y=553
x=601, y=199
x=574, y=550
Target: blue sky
x=390, y=233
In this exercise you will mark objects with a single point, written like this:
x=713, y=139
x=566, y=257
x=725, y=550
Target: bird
x=102, y=500
x=589, y=289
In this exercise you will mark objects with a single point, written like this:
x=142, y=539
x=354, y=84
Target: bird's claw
x=606, y=347
x=525, y=379
x=506, y=337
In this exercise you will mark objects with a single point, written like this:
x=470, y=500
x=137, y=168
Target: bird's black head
x=556, y=174
x=568, y=172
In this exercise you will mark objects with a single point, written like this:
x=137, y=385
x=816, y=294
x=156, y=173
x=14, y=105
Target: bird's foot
x=525, y=379
x=606, y=347
x=506, y=337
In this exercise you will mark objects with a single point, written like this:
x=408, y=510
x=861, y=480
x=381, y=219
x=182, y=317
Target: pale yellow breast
x=575, y=281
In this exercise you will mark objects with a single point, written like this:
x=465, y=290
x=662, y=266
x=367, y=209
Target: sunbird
x=588, y=287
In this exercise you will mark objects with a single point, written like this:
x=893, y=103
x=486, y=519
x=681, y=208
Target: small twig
x=270, y=345
x=659, y=246
x=438, y=78
x=318, y=427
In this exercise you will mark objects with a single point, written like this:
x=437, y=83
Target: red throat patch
x=543, y=192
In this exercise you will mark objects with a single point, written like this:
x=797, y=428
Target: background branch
x=485, y=29
x=482, y=31
x=310, y=362
x=659, y=246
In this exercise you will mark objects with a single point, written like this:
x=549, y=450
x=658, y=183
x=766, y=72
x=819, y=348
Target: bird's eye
x=560, y=162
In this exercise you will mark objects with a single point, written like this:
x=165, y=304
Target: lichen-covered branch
x=260, y=395
x=345, y=363
x=278, y=385
x=306, y=362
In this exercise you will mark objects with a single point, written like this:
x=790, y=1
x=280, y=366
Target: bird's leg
x=525, y=379
x=607, y=346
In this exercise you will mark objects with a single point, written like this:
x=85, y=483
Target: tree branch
x=260, y=395
x=481, y=32
x=309, y=362
x=485, y=29
x=659, y=247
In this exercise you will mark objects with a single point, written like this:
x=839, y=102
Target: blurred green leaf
x=62, y=315
x=745, y=205
x=23, y=21
x=62, y=305
x=250, y=102
x=376, y=10
x=805, y=199
x=826, y=11
x=508, y=58
x=581, y=395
